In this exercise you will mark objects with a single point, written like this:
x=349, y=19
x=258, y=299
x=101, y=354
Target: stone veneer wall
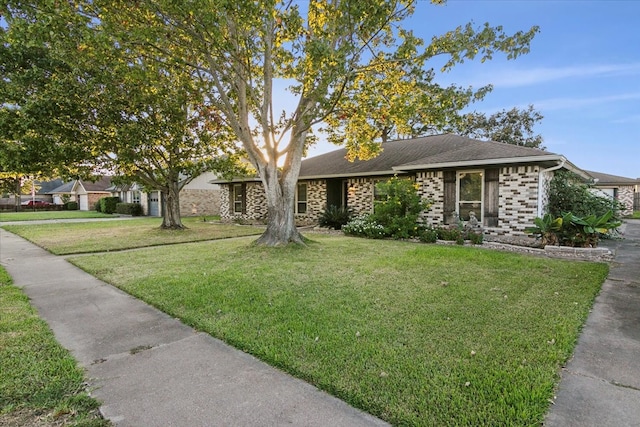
x=360, y=195
x=518, y=200
x=431, y=187
x=200, y=202
x=625, y=196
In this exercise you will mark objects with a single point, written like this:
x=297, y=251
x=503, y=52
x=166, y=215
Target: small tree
x=400, y=207
x=568, y=193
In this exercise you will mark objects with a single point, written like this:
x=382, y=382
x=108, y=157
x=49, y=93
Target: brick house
x=88, y=193
x=616, y=187
x=197, y=198
x=503, y=184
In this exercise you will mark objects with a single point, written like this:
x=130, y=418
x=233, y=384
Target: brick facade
x=518, y=199
x=199, y=202
x=625, y=196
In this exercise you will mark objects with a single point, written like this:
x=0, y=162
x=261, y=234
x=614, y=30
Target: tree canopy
x=347, y=64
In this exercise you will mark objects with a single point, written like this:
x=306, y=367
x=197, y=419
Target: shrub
x=97, y=206
x=428, y=235
x=567, y=193
x=70, y=206
x=475, y=237
x=335, y=217
x=108, y=204
x=572, y=230
x=133, y=209
x=398, y=212
x=364, y=226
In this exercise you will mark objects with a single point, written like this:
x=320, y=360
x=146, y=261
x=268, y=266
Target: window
x=379, y=195
x=135, y=197
x=470, y=194
x=301, y=198
x=238, y=198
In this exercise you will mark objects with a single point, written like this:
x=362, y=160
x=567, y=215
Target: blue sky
x=582, y=74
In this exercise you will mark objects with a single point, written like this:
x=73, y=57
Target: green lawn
x=415, y=334
x=43, y=215
x=40, y=382
x=636, y=215
x=85, y=237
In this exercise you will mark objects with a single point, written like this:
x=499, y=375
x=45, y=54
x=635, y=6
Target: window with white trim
x=135, y=197
x=238, y=198
x=470, y=188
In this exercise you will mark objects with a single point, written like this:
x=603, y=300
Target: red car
x=36, y=204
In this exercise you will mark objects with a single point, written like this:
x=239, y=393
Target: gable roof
x=100, y=186
x=606, y=179
x=67, y=187
x=429, y=152
x=47, y=186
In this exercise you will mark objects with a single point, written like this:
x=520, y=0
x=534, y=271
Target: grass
x=636, y=215
x=87, y=237
x=40, y=382
x=414, y=334
x=44, y=215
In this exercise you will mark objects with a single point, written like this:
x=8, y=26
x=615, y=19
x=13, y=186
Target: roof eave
x=484, y=162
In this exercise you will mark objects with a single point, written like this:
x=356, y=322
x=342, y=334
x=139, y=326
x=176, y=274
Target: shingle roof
x=100, y=185
x=64, y=188
x=47, y=186
x=429, y=150
x=606, y=179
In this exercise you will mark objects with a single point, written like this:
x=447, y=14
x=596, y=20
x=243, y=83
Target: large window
x=301, y=198
x=238, y=198
x=470, y=194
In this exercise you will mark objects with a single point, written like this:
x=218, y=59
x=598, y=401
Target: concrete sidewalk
x=149, y=369
x=600, y=385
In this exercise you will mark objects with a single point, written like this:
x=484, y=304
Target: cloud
x=574, y=103
x=629, y=119
x=518, y=78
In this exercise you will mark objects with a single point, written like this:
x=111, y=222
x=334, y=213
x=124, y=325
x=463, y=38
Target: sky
x=582, y=74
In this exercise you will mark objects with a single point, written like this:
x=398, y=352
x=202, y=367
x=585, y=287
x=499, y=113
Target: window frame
x=238, y=199
x=480, y=214
x=299, y=202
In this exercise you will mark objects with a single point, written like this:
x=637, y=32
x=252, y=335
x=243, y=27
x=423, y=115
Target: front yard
x=83, y=237
x=6, y=216
x=40, y=382
x=415, y=334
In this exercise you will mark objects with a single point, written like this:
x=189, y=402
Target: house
x=504, y=185
x=63, y=193
x=198, y=197
x=617, y=188
x=88, y=193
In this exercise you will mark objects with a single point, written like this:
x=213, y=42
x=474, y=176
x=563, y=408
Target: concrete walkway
x=601, y=385
x=148, y=369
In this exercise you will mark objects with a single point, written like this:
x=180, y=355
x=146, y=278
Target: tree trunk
x=16, y=197
x=171, y=208
x=281, y=227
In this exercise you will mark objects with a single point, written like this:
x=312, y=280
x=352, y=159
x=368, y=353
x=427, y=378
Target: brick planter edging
x=566, y=252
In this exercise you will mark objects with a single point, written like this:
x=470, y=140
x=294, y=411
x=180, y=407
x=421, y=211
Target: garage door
x=154, y=204
x=84, y=202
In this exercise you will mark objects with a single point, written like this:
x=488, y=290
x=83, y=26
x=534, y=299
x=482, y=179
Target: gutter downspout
x=563, y=160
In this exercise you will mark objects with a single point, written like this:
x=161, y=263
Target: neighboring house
x=198, y=197
x=63, y=192
x=616, y=187
x=88, y=193
x=504, y=185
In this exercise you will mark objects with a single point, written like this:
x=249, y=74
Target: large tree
x=325, y=51
x=514, y=126
x=90, y=102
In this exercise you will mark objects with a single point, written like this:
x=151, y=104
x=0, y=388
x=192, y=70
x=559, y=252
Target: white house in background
x=63, y=192
x=197, y=198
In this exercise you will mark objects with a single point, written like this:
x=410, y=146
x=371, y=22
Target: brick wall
x=518, y=201
x=431, y=187
x=360, y=195
x=199, y=202
x=625, y=196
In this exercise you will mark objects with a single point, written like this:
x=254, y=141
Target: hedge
x=133, y=209
x=108, y=204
